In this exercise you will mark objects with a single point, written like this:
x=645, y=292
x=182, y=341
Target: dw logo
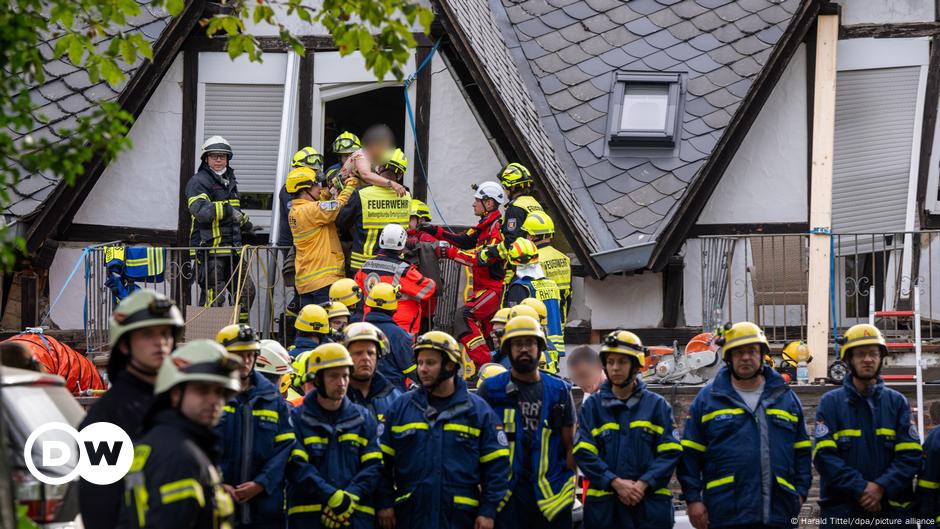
x=102, y=453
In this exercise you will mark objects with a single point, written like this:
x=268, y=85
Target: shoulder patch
x=914, y=433
x=501, y=438
x=380, y=429
x=511, y=224
x=329, y=205
x=675, y=435
x=820, y=430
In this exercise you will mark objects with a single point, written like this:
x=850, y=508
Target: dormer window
x=645, y=109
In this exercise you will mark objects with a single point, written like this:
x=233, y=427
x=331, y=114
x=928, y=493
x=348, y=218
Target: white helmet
x=273, y=359
x=490, y=190
x=217, y=144
x=393, y=237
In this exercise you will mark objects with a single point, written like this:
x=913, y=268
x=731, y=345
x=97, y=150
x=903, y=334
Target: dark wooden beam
x=305, y=101
x=770, y=228
x=928, y=132
x=62, y=205
x=189, y=141
x=29, y=300
x=99, y=233
x=422, y=113
x=702, y=188
x=884, y=31
x=276, y=45
x=672, y=291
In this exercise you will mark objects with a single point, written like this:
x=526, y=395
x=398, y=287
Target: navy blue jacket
x=928, y=482
x=398, y=363
x=380, y=398
x=331, y=456
x=859, y=439
x=749, y=468
x=448, y=466
x=632, y=439
x=256, y=437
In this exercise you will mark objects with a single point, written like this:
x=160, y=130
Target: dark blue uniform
x=632, y=439
x=380, y=398
x=398, y=363
x=335, y=451
x=256, y=439
x=751, y=468
x=859, y=439
x=448, y=465
x=928, y=482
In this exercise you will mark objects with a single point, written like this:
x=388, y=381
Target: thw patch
x=820, y=430
x=329, y=205
x=501, y=438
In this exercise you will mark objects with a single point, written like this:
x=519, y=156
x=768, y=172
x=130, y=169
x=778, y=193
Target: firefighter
x=415, y=290
x=344, y=146
x=144, y=329
x=539, y=228
x=397, y=364
x=489, y=371
x=518, y=182
x=347, y=292
x=313, y=328
x=367, y=386
x=338, y=315
x=377, y=140
x=530, y=282
x=256, y=437
x=866, y=449
x=486, y=278
x=626, y=444
x=274, y=364
x=746, y=455
x=319, y=256
x=538, y=416
x=335, y=465
x=497, y=324
x=420, y=215
x=172, y=481
x=372, y=207
x=217, y=225
x=928, y=482
x=443, y=452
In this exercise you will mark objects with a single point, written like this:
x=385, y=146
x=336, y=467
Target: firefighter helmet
x=326, y=356
x=420, y=209
x=862, y=334
x=217, y=144
x=490, y=370
x=743, y=333
x=395, y=159
x=501, y=316
x=335, y=309
x=346, y=143
x=199, y=361
x=539, y=307
x=308, y=157
x=538, y=224
x=313, y=318
x=383, y=296
x=624, y=343
x=364, y=331
x=439, y=341
x=523, y=310
x=144, y=308
x=346, y=291
x=274, y=359
x=393, y=237
x=515, y=175
x=523, y=252
x=238, y=337
x=522, y=326
x=301, y=178
x=490, y=190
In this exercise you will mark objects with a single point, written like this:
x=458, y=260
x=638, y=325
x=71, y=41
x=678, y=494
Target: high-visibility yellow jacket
x=557, y=267
x=319, y=259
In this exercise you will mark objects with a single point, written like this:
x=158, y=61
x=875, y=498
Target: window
x=645, y=109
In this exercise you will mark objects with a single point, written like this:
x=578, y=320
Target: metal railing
x=213, y=289
x=765, y=278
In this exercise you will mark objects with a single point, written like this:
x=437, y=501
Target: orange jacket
x=416, y=291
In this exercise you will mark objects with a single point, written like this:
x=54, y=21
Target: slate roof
x=66, y=94
x=568, y=51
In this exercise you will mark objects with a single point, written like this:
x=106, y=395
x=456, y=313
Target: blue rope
x=78, y=263
x=414, y=130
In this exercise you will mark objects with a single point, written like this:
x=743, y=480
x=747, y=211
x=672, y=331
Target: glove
x=237, y=215
x=329, y=520
x=484, y=255
x=341, y=504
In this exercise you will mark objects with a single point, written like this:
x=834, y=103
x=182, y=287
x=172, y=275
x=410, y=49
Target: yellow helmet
x=420, y=209
x=335, y=309
x=522, y=326
x=346, y=291
x=539, y=307
x=307, y=157
x=383, y=296
x=274, y=359
x=523, y=310
x=862, y=334
x=490, y=370
x=395, y=159
x=514, y=175
x=501, y=316
x=523, y=251
x=538, y=224
x=364, y=331
x=313, y=318
x=346, y=143
x=301, y=178
x=796, y=351
x=326, y=356
x=743, y=333
x=199, y=361
x=238, y=337
x=439, y=341
x=624, y=343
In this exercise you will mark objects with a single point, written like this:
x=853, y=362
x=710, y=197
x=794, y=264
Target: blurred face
x=150, y=345
x=248, y=363
x=429, y=366
x=335, y=382
x=619, y=368
x=365, y=357
x=586, y=375
x=865, y=361
x=217, y=161
x=746, y=360
x=338, y=323
x=376, y=149
x=524, y=354
x=200, y=402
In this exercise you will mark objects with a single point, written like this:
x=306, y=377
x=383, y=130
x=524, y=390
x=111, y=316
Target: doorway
x=358, y=112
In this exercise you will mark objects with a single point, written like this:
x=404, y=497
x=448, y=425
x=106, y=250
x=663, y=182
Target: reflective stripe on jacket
x=416, y=291
x=212, y=204
x=370, y=208
x=319, y=256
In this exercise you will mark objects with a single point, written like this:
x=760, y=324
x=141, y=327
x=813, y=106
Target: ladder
x=916, y=345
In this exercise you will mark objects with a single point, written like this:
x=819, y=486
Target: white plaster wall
x=766, y=180
x=629, y=302
x=886, y=11
x=68, y=312
x=141, y=187
x=692, y=282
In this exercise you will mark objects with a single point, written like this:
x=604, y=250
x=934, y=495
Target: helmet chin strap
x=634, y=367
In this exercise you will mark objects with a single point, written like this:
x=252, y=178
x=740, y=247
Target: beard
x=524, y=364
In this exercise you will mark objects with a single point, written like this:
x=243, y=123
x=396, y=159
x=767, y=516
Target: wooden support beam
x=305, y=101
x=187, y=143
x=422, y=124
x=29, y=304
x=820, y=212
x=883, y=31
